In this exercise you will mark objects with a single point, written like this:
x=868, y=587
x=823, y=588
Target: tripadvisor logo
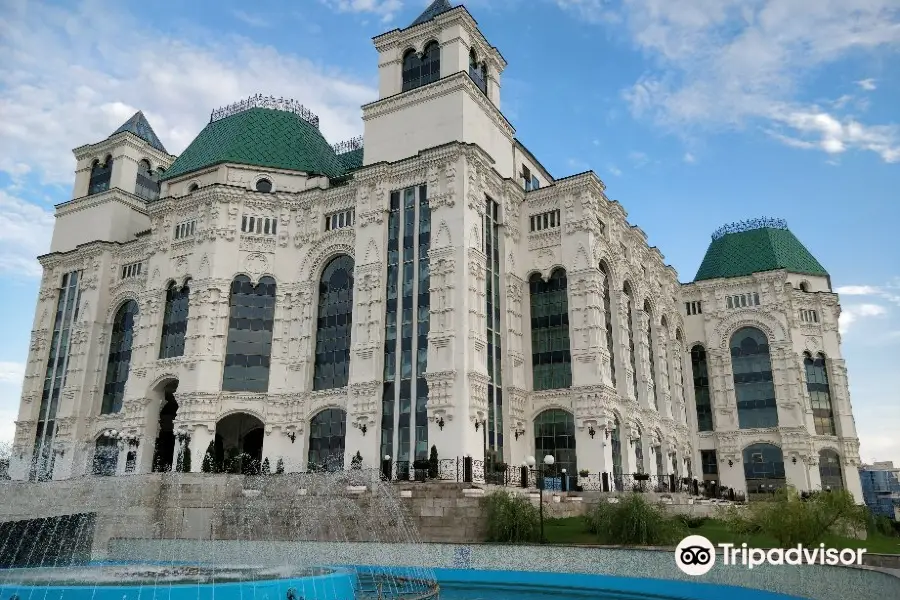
x=695, y=555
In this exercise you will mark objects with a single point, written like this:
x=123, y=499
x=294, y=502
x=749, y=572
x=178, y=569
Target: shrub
x=357, y=461
x=583, y=473
x=279, y=467
x=511, y=518
x=880, y=525
x=209, y=461
x=792, y=520
x=184, y=461
x=266, y=469
x=693, y=521
x=634, y=522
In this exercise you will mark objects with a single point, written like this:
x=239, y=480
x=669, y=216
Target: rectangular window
x=710, y=464
x=184, y=229
x=535, y=183
x=340, y=219
x=132, y=270
x=405, y=394
x=809, y=316
x=493, y=433
x=548, y=220
x=693, y=308
x=259, y=225
x=526, y=178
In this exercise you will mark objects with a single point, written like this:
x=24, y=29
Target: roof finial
x=749, y=225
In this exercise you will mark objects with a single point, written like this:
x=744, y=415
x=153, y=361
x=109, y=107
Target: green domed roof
x=756, y=246
x=262, y=137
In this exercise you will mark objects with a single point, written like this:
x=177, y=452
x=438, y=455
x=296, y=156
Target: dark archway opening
x=238, y=444
x=164, y=451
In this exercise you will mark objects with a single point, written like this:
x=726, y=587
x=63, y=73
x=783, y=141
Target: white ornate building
x=270, y=294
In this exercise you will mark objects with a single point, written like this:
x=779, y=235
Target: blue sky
x=694, y=112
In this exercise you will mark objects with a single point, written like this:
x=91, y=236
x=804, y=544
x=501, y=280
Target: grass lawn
x=571, y=531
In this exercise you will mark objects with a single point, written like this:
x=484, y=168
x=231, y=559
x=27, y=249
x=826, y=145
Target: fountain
x=91, y=543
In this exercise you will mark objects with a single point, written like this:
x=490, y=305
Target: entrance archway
x=106, y=456
x=239, y=444
x=327, y=431
x=164, y=450
x=763, y=469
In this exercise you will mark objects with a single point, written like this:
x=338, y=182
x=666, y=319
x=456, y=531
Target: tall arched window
x=551, y=359
x=763, y=468
x=554, y=433
x=702, y=398
x=327, y=431
x=106, y=456
x=175, y=320
x=249, y=348
x=651, y=347
x=334, y=324
x=101, y=173
x=118, y=362
x=421, y=70
x=819, y=394
x=753, y=385
x=147, y=184
x=629, y=324
x=657, y=451
x=639, y=452
x=615, y=442
x=607, y=310
x=830, y=470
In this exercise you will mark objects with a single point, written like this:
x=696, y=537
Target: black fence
x=469, y=470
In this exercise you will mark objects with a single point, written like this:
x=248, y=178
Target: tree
x=357, y=461
x=279, y=467
x=266, y=469
x=184, y=460
x=209, y=459
x=433, y=464
x=792, y=519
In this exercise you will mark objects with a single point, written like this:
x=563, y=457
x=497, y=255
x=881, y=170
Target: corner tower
x=771, y=398
x=439, y=82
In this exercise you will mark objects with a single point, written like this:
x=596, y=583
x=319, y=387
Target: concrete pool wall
x=819, y=582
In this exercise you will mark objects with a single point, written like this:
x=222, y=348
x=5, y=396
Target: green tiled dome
x=261, y=137
x=753, y=247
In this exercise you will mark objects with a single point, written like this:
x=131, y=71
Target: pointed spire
x=139, y=126
x=434, y=9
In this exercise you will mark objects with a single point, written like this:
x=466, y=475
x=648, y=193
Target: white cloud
x=251, y=20
x=614, y=170
x=25, y=231
x=72, y=75
x=854, y=312
x=592, y=11
x=889, y=292
x=689, y=158
x=384, y=9
x=867, y=84
x=727, y=63
x=639, y=159
x=11, y=374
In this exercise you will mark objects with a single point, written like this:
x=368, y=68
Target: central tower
x=439, y=82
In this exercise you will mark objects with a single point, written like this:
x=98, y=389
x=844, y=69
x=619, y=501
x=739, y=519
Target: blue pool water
x=105, y=582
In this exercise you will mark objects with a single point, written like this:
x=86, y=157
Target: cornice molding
x=112, y=195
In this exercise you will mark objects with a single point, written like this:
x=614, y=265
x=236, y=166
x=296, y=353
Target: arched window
x=763, y=468
x=830, y=470
x=804, y=286
x=175, y=320
x=118, y=361
x=651, y=346
x=819, y=394
x=702, y=398
x=657, y=451
x=607, y=310
x=101, y=173
x=106, y=456
x=238, y=444
x=477, y=71
x=753, y=387
x=264, y=185
x=551, y=360
x=147, y=184
x=615, y=441
x=554, y=433
x=193, y=188
x=421, y=70
x=639, y=452
x=326, y=440
x=249, y=348
x=334, y=324
x=629, y=323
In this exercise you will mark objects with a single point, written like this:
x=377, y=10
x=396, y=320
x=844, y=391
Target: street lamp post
x=548, y=461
